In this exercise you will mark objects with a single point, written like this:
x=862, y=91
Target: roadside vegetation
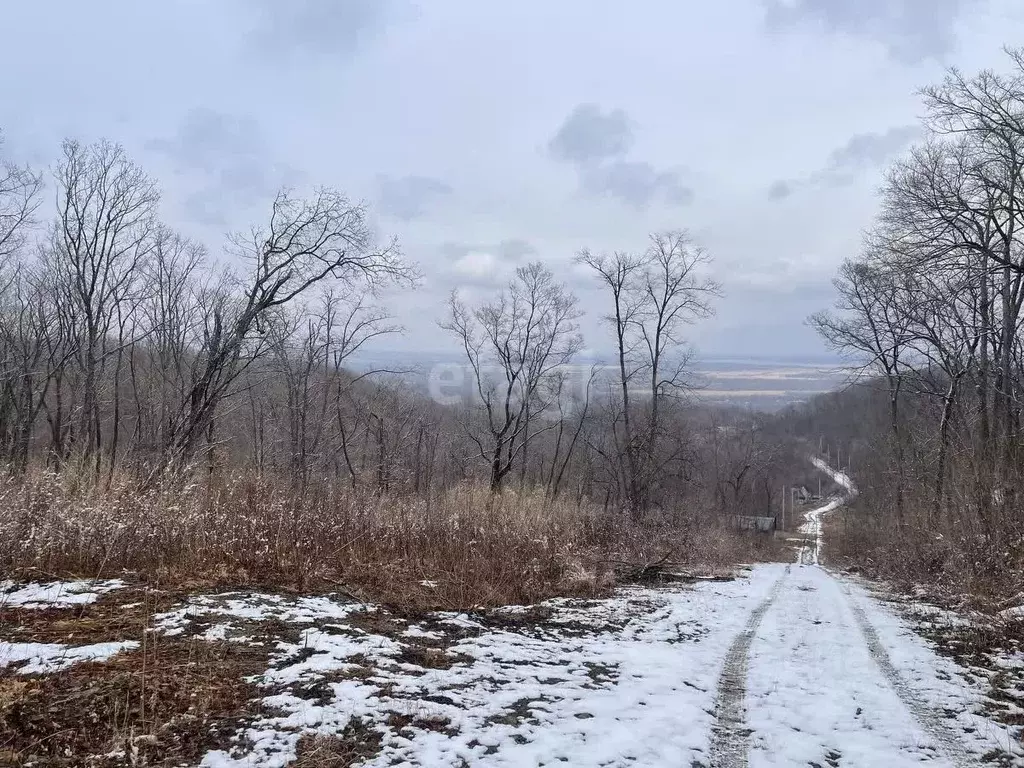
x=929, y=316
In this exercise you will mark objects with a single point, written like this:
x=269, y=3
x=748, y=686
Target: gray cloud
x=595, y=143
x=637, y=183
x=409, y=197
x=910, y=30
x=228, y=159
x=512, y=251
x=781, y=189
x=588, y=135
x=867, y=150
x=346, y=90
x=206, y=137
x=861, y=152
x=316, y=27
x=516, y=249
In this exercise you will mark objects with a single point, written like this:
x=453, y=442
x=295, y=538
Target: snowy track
x=730, y=737
x=823, y=688
x=811, y=530
x=787, y=665
x=929, y=718
x=826, y=688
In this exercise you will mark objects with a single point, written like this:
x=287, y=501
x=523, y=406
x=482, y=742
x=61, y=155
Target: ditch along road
x=822, y=674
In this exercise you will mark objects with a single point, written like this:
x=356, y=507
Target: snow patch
x=627, y=680
x=45, y=658
x=252, y=607
x=54, y=594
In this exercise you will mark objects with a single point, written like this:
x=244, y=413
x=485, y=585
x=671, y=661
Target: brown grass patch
x=957, y=563
x=357, y=742
x=169, y=702
x=452, y=550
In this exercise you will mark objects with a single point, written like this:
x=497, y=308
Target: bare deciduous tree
x=305, y=243
x=655, y=295
x=20, y=189
x=99, y=243
x=515, y=346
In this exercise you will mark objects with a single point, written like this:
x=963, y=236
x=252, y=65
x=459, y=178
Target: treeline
x=931, y=313
x=131, y=358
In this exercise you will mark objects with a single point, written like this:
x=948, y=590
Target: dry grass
x=355, y=743
x=956, y=564
x=460, y=548
x=166, y=703
x=172, y=699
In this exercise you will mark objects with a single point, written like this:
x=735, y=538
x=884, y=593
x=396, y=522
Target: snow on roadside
x=815, y=695
x=629, y=680
x=937, y=679
x=45, y=658
x=55, y=594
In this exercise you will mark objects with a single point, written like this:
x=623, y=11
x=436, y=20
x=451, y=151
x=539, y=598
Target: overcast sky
x=487, y=134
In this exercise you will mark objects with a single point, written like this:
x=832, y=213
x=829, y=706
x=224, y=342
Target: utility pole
x=783, y=506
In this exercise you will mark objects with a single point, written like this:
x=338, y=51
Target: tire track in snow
x=930, y=720
x=730, y=738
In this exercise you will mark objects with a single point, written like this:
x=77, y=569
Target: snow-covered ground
x=828, y=676
x=54, y=594
x=626, y=681
x=44, y=658
x=786, y=665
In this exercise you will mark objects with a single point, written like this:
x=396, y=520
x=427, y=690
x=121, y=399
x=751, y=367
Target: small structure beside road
x=756, y=523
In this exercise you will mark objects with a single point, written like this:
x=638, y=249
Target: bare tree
x=874, y=330
x=171, y=318
x=99, y=243
x=987, y=113
x=674, y=295
x=560, y=460
x=618, y=274
x=515, y=345
x=20, y=189
x=28, y=335
x=310, y=349
x=305, y=243
x=655, y=295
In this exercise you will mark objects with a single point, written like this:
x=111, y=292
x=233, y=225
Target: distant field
x=764, y=384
